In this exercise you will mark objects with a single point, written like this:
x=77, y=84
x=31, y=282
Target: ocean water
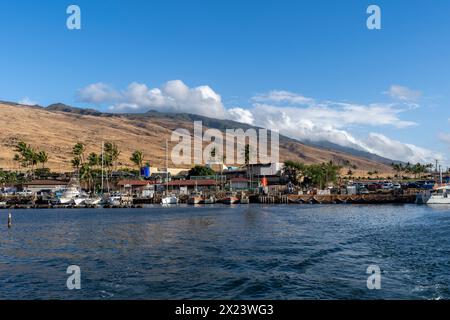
x=220, y=252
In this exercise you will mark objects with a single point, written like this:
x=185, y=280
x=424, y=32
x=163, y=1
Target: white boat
x=440, y=196
x=245, y=199
x=169, y=200
x=210, y=200
x=114, y=200
x=69, y=195
x=93, y=201
x=80, y=200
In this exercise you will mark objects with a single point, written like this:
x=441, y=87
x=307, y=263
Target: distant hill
x=58, y=127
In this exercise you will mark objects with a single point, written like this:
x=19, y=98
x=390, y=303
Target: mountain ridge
x=144, y=126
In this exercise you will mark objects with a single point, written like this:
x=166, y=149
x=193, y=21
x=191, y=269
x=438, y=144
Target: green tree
x=86, y=174
x=26, y=156
x=78, y=151
x=201, y=171
x=94, y=160
x=112, y=154
x=138, y=158
x=295, y=171
x=42, y=158
x=76, y=163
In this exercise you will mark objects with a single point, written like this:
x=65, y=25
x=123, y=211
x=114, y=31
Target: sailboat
x=168, y=199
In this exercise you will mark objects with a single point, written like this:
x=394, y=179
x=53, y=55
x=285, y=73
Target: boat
x=93, y=201
x=69, y=195
x=231, y=199
x=80, y=199
x=114, y=200
x=209, y=200
x=245, y=199
x=195, y=199
x=169, y=200
x=3, y=204
x=441, y=195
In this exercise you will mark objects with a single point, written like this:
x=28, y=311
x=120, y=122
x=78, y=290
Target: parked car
x=25, y=193
x=387, y=186
x=364, y=191
x=374, y=186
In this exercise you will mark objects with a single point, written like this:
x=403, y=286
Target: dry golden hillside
x=56, y=132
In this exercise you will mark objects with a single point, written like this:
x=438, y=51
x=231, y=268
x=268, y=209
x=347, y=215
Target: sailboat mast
x=167, y=167
x=103, y=145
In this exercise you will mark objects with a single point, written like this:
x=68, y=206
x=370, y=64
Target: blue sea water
x=220, y=252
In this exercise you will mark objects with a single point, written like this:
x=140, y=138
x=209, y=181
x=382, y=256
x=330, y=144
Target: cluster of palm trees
x=88, y=166
x=418, y=170
x=29, y=157
x=316, y=175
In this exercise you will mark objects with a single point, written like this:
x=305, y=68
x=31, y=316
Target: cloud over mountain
x=294, y=115
x=173, y=96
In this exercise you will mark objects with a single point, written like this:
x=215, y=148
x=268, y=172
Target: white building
x=270, y=169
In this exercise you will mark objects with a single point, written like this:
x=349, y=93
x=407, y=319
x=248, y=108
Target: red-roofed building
x=144, y=188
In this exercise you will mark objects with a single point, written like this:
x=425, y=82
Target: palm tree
x=78, y=151
x=76, y=163
x=94, y=159
x=86, y=174
x=26, y=156
x=43, y=158
x=138, y=158
x=112, y=154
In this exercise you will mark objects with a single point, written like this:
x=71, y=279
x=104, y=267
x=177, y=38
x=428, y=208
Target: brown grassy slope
x=56, y=132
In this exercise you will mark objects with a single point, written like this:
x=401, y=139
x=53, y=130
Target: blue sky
x=311, y=64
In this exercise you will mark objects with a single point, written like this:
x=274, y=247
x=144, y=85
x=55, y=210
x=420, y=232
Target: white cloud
x=331, y=121
x=281, y=96
x=27, y=102
x=444, y=137
x=98, y=93
x=173, y=96
x=292, y=114
x=241, y=115
x=318, y=124
x=386, y=147
x=404, y=93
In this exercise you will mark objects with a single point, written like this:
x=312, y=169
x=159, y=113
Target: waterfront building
x=239, y=183
x=36, y=186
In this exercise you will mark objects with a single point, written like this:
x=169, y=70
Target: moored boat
x=93, y=201
x=244, y=199
x=441, y=195
x=209, y=200
x=231, y=198
x=195, y=199
x=169, y=200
